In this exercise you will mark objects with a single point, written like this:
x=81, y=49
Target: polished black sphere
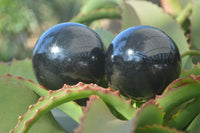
x=141, y=61
x=68, y=53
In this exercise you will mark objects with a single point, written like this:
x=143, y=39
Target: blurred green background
x=23, y=21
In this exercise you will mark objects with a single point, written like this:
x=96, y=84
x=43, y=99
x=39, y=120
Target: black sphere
x=141, y=61
x=68, y=53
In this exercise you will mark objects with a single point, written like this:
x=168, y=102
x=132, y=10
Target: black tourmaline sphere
x=141, y=61
x=68, y=53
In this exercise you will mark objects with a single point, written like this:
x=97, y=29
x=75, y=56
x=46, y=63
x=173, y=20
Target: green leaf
x=195, y=71
x=195, y=29
x=157, y=129
x=179, y=92
x=194, y=125
x=151, y=14
x=91, y=5
x=70, y=108
x=15, y=100
x=22, y=68
x=97, y=118
x=90, y=16
x=184, y=116
x=148, y=114
x=106, y=36
x=69, y=93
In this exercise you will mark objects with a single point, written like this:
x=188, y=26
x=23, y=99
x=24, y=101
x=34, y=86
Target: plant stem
x=184, y=14
x=190, y=52
x=97, y=14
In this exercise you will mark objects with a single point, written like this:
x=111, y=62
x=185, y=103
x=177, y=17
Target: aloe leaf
x=151, y=14
x=157, y=129
x=21, y=68
x=194, y=125
x=148, y=114
x=179, y=92
x=195, y=71
x=70, y=108
x=91, y=5
x=195, y=30
x=97, y=118
x=69, y=93
x=184, y=116
x=15, y=100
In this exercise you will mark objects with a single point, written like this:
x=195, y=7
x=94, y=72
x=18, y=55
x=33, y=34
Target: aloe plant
x=25, y=105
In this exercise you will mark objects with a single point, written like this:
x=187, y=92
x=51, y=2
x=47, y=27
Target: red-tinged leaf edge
x=157, y=129
x=70, y=93
x=85, y=110
x=179, y=92
x=194, y=71
x=41, y=91
x=184, y=116
x=98, y=118
x=141, y=117
x=16, y=67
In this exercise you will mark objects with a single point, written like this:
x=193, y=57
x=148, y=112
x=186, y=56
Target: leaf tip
x=92, y=98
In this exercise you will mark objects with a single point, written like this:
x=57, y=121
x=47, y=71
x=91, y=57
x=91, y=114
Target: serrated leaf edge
x=85, y=111
x=150, y=102
x=55, y=98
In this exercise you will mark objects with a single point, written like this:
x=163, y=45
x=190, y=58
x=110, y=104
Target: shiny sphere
x=68, y=53
x=141, y=61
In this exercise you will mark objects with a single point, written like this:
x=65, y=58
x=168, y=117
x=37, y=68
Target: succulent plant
x=25, y=104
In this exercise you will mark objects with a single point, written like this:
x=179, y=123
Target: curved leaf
x=148, y=114
x=151, y=14
x=21, y=68
x=97, y=118
x=195, y=71
x=15, y=100
x=71, y=109
x=69, y=93
x=90, y=16
x=91, y=5
x=179, y=92
x=183, y=117
x=157, y=129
